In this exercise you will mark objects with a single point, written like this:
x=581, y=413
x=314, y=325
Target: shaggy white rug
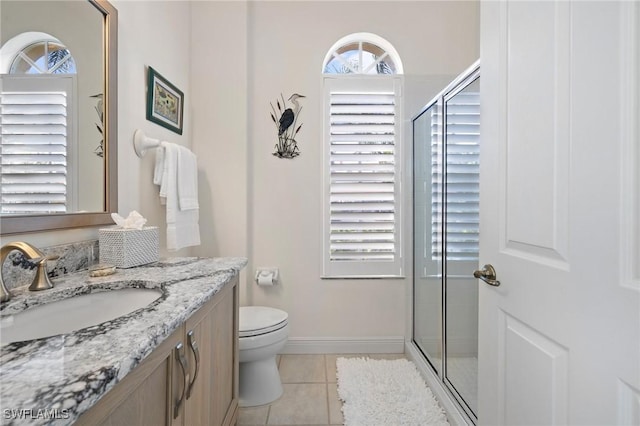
x=378, y=392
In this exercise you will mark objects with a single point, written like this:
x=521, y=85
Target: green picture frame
x=165, y=102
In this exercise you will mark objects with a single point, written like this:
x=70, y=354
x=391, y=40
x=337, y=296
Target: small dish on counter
x=102, y=270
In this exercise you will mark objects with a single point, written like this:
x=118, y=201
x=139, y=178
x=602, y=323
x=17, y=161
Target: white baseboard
x=344, y=345
x=455, y=415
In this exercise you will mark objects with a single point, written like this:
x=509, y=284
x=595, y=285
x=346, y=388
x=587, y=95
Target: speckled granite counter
x=65, y=375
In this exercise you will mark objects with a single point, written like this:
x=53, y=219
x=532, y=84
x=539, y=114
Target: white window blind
x=462, y=186
x=362, y=184
x=33, y=154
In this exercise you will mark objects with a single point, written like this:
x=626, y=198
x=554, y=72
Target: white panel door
x=559, y=339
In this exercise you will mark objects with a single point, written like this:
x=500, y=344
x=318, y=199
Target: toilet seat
x=257, y=320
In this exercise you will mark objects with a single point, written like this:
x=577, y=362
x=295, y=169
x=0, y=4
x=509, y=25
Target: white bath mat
x=378, y=392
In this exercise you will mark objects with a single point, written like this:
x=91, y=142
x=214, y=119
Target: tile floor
x=310, y=392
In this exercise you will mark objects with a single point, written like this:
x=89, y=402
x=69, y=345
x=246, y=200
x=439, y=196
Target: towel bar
x=141, y=143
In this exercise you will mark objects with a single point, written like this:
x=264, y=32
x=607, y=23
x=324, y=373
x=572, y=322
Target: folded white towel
x=182, y=225
x=159, y=168
x=187, y=179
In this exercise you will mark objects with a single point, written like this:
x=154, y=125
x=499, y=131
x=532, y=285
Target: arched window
x=36, y=53
x=45, y=57
x=38, y=125
x=362, y=131
x=362, y=53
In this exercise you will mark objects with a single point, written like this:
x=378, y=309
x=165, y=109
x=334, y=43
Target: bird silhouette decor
x=287, y=126
x=99, y=151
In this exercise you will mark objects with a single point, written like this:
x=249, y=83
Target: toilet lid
x=256, y=320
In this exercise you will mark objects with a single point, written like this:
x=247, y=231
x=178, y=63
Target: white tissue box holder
x=126, y=248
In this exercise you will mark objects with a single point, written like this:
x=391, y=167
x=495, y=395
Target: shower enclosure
x=446, y=223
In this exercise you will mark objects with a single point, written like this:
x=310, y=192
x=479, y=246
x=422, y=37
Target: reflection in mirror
x=58, y=67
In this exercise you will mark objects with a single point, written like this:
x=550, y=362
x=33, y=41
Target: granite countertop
x=63, y=376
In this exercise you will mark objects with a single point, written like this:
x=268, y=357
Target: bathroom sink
x=74, y=313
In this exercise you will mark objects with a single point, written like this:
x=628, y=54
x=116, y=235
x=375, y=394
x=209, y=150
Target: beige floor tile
x=301, y=404
x=310, y=392
x=253, y=415
x=331, y=364
x=335, y=405
x=302, y=369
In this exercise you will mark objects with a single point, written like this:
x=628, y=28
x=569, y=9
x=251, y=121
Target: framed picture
x=165, y=102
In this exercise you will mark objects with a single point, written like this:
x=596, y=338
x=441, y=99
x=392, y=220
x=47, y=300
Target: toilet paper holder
x=267, y=276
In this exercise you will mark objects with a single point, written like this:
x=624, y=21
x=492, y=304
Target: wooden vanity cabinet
x=207, y=345
x=212, y=399
x=141, y=398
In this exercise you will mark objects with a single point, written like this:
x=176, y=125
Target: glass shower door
x=427, y=297
x=446, y=185
x=462, y=233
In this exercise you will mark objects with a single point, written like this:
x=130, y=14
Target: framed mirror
x=58, y=64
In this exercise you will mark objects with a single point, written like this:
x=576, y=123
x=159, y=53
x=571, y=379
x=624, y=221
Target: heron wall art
x=287, y=126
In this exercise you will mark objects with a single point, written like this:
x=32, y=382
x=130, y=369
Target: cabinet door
x=198, y=342
x=225, y=357
x=211, y=343
x=143, y=406
x=143, y=396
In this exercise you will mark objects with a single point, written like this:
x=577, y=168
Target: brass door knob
x=487, y=274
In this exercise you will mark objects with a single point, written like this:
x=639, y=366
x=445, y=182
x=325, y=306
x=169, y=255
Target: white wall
x=219, y=74
x=281, y=199
x=156, y=34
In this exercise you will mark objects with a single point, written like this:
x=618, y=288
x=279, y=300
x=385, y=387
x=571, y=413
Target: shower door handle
x=487, y=274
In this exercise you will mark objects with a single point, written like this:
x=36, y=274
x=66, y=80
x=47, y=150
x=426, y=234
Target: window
x=362, y=159
x=43, y=57
x=36, y=117
x=362, y=53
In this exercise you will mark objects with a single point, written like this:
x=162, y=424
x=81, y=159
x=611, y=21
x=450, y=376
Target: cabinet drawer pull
x=185, y=374
x=196, y=355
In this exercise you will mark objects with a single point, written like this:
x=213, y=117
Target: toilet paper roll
x=265, y=279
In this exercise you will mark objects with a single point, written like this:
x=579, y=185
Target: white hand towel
x=187, y=179
x=159, y=167
x=182, y=226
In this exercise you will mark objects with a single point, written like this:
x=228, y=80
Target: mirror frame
x=48, y=222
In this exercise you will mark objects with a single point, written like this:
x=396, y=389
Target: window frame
x=371, y=268
x=354, y=82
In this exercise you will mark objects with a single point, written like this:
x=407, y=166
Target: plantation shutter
x=462, y=124
x=33, y=154
x=362, y=189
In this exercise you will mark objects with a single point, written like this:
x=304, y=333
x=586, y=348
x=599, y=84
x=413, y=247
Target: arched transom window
x=37, y=53
x=362, y=53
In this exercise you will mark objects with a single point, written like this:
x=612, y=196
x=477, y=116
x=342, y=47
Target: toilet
x=263, y=333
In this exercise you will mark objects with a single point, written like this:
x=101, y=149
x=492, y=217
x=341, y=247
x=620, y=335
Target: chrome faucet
x=40, y=281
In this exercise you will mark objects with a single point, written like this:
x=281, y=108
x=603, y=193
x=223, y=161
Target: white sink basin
x=74, y=313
